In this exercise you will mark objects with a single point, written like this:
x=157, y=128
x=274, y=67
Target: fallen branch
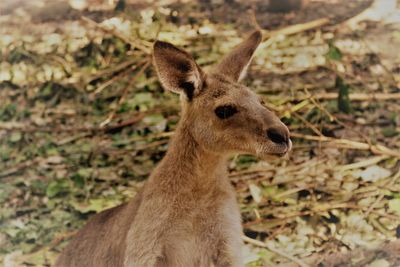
x=382, y=195
x=308, y=124
x=293, y=29
x=88, y=130
x=345, y=143
x=317, y=209
x=362, y=164
x=124, y=66
x=20, y=167
x=356, y=96
x=123, y=124
x=379, y=10
x=123, y=151
x=117, y=34
x=73, y=138
x=387, y=251
x=334, y=118
x=275, y=250
x=107, y=83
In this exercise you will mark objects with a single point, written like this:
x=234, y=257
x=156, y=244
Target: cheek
x=204, y=131
x=232, y=133
x=238, y=129
x=210, y=133
x=247, y=125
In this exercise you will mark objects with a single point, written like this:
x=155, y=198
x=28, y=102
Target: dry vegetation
x=83, y=121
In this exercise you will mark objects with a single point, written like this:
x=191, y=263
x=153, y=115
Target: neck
x=188, y=164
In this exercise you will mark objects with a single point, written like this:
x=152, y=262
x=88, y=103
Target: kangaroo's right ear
x=235, y=63
x=177, y=70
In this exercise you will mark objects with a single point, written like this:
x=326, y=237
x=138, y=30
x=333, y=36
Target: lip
x=288, y=148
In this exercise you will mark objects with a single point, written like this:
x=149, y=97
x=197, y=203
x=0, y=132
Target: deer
x=187, y=214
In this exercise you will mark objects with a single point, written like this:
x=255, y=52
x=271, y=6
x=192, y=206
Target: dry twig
x=124, y=92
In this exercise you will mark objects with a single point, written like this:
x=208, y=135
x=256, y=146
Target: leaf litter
x=60, y=163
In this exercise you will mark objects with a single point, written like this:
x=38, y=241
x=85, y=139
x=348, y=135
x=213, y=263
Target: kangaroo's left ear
x=235, y=64
x=177, y=70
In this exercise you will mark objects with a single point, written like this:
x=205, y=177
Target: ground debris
x=83, y=121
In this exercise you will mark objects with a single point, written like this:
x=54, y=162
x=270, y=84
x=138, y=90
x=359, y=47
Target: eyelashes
x=226, y=111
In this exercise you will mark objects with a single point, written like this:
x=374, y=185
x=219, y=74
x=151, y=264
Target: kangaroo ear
x=235, y=64
x=177, y=70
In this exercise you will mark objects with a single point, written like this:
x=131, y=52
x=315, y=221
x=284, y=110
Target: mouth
x=279, y=150
x=287, y=149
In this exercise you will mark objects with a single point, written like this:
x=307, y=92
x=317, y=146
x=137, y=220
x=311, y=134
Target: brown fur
x=186, y=214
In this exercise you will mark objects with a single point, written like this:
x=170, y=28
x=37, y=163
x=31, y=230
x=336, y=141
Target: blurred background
x=83, y=121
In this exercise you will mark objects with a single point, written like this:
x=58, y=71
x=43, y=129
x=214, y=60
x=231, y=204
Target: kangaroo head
x=221, y=114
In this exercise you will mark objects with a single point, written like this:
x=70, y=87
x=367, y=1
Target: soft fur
x=187, y=214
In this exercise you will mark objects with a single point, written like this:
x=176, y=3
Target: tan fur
x=186, y=214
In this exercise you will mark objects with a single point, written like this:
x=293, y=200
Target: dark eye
x=224, y=112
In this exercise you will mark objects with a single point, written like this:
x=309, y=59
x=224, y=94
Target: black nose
x=278, y=135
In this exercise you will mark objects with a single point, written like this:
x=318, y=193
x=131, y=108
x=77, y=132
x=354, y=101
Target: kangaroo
x=186, y=214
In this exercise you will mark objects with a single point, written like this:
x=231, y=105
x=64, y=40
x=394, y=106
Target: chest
x=190, y=228
x=203, y=235
x=215, y=213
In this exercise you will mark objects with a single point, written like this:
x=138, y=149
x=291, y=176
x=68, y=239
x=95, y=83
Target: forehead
x=221, y=89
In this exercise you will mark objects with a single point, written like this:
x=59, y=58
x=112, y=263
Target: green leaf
x=266, y=256
x=38, y=187
x=15, y=137
x=142, y=101
x=153, y=119
x=156, y=122
x=389, y=131
x=8, y=112
x=120, y=6
x=56, y=187
x=85, y=172
x=78, y=180
x=95, y=205
x=80, y=177
x=334, y=53
x=394, y=205
x=5, y=191
x=344, y=104
x=245, y=160
x=37, y=259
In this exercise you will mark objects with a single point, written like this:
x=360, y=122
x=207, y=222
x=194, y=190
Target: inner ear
x=177, y=70
x=188, y=88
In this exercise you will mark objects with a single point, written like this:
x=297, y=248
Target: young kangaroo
x=187, y=215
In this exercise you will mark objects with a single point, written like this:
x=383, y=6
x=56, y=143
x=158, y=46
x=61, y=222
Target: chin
x=272, y=156
x=275, y=152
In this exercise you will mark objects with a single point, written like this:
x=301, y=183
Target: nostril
x=277, y=136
